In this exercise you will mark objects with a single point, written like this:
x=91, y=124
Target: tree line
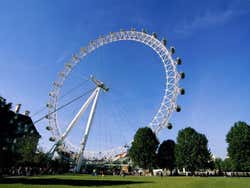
x=191, y=152
x=18, y=148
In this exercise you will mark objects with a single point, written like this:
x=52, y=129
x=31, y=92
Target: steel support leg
x=86, y=134
x=74, y=121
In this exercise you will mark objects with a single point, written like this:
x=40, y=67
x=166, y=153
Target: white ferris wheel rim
x=168, y=103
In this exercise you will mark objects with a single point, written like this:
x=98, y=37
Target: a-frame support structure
x=93, y=98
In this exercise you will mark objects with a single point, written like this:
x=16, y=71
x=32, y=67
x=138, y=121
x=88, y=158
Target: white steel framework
x=86, y=134
x=167, y=106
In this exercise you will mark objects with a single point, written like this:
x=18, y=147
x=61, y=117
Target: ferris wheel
x=159, y=121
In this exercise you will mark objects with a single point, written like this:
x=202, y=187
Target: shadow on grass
x=72, y=182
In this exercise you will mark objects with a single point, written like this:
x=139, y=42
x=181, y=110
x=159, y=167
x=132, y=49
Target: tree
x=227, y=165
x=238, y=139
x=143, y=148
x=192, y=151
x=218, y=165
x=165, y=155
x=25, y=148
x=41, y=159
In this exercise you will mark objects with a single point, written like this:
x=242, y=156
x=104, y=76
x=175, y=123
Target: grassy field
x=75, y=181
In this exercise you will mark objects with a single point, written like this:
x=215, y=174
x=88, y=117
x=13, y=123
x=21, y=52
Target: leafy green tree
x=143, y=148
x=40, y=158
x=192, y=151
x=60, y=165
x=166, y=156
x=25, y=149
x=238, y=139
x=218, y=164
x=227, y=165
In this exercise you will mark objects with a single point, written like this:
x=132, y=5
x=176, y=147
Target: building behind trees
x=18, y=136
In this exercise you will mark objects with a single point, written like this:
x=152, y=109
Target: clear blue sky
x=213, y=39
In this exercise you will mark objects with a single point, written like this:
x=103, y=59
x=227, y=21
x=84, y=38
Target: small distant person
x=94, y=172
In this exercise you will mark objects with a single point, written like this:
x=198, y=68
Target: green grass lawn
x=75, y=181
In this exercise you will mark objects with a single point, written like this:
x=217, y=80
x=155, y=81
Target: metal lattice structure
x=168, y=104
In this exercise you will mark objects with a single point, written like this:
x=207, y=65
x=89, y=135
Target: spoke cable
x=64, y=105
x=63, y=96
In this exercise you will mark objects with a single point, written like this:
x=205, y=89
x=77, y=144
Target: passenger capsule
x=83, y=50
x=144, y=31
x=51, y=94
x=178, y=61
x=169, y=126
x=49, y=128
x=178, y=108
x=68, y=65
x=47, y=116
x=56, y=84
x=182, y=91
x=164, y=41
x=154, y=35
x=172, y=50
x=74, y=57
x=49, y=105
x=182, y=75
x=52, y=139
